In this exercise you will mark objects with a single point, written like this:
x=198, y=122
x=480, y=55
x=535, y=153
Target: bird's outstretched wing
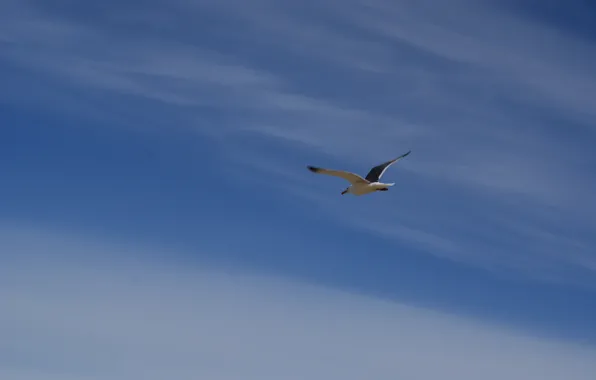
x=376, y=173
x=350, y=177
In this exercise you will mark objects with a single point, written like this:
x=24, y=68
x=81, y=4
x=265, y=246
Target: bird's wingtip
x=312, y=168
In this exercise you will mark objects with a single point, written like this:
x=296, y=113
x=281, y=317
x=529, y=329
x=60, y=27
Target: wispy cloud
x=492, y=37
x=84, y=309
x=498, y=123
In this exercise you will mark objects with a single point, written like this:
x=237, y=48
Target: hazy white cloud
x=81, y=309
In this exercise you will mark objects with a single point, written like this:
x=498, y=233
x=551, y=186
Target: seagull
x=359, y=185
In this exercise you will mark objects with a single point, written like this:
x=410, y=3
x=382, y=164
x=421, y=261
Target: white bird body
x=361, y=186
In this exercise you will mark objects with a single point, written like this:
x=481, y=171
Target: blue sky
x=156, y=154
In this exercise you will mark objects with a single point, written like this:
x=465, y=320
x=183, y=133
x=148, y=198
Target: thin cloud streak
x=179, y=74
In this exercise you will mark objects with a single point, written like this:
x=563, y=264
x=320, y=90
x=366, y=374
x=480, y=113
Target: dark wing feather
x=376, y=173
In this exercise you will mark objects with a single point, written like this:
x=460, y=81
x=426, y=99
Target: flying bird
x=359, y=185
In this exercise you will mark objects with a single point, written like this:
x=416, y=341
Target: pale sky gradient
x=76, y=308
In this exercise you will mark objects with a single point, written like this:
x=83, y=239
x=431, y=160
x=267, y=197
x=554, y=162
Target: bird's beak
x=343, y=192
